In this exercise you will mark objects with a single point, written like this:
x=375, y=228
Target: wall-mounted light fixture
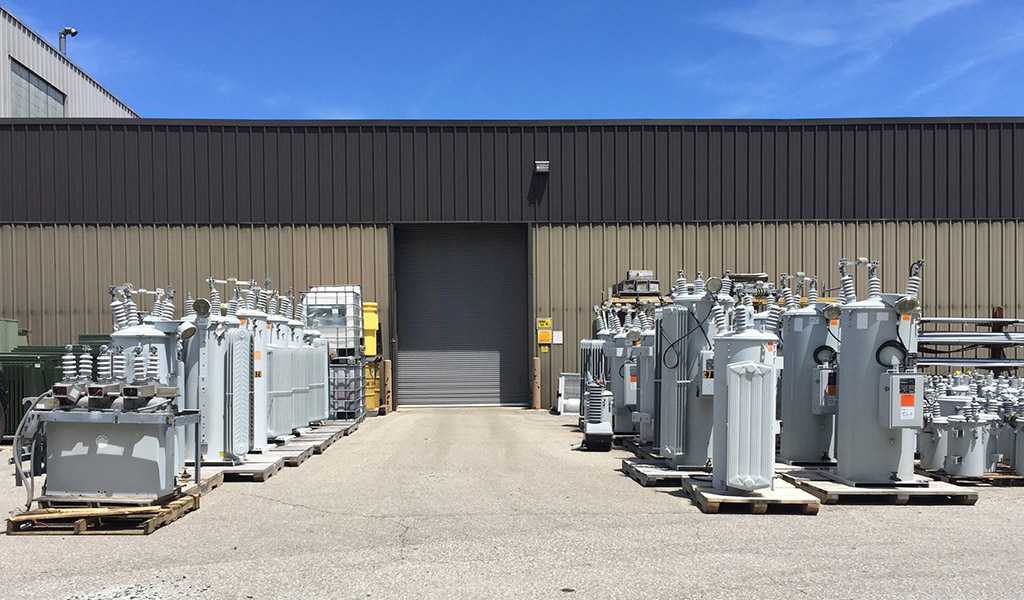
x=542, y=166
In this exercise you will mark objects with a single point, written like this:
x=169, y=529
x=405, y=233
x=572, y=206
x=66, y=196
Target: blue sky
x=546, y=60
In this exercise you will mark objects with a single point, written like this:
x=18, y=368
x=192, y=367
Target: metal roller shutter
x=462, y=315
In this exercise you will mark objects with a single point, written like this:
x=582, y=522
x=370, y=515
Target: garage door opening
x=461, y=310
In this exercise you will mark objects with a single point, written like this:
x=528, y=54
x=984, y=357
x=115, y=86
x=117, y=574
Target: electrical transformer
x=112, y=434
x=621, y=380
x=683, y=350
x=643, y=377
x=218, y=380
x=807, y=402
x=880, y=392
x=744, y=406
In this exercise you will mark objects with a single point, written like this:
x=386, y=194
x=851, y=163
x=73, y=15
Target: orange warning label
x=632, y=378
x=906, y=317
x=257, y=355
x=830, y=390
x=770, y=346
x=834, y=322
x=906, y=399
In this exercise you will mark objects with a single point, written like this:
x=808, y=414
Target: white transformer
x=686, y=329
x=114, y=437
x=807, y=403
x=744, y=406
x=880, y=392
x=218, y=377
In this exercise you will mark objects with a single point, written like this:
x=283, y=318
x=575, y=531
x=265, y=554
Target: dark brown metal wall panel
x=213, y=172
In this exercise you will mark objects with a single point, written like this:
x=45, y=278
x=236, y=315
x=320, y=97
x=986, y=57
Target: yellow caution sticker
x=257, y=374
x=709, y=374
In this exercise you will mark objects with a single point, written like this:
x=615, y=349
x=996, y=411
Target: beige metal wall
x=970, y=268
x=53, y=279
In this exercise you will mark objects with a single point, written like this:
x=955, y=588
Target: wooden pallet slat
x=108, y=520
x=834, y=492
x=784, y=497
x=650, y=473
x=1002, y=477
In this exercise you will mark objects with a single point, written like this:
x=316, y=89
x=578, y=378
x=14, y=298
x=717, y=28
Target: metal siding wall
x=970, y=268
x=204, y=172
x=55, y=278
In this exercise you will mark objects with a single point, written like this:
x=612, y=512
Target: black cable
x=672, y=346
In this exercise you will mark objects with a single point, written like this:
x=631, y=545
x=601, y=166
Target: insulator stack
x=726, y=285
x=774, y=321
x=874, y=286
x=214, y=295
x=68, y=364
x=117, y=311
x=788, y=299
x=698, y=284
x=261, y=301
x=849, y=290
x=614, y=325
x=132, y=312
x=680, y=287
x=153, y=367
x=812, y=292
x=718, y=317
x=85, y=365
x=139, y=366
x=104, y=365
x=740, y=316
x=120, y=365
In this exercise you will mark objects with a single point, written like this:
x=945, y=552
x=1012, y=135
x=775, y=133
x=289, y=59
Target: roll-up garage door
x=462, y=329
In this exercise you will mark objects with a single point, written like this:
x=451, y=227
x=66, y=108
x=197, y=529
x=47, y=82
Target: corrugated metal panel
x=971, y=267
x=85, y=97
x=55, y=278
x=211, y=172
x=461, y=295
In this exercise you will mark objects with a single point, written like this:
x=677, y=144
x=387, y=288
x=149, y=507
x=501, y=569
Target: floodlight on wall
x=542, y=166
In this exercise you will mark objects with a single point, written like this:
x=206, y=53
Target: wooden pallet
x=641, y=451
x=257, y=467
x=834, y=492
x=321, y=440
x=210, y=481
x=294, y=452
x=784, y=498
x=1002, y=477
x=103, y=520
x=650, y=473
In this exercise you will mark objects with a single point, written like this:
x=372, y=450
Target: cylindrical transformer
x=684, y=355
x=808, y=422
x=618, y=353
x=933, y=444
x=968, y=447
x=867, y=451
x=744, y=410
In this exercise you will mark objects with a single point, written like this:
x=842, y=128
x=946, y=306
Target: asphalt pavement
x=493, y=503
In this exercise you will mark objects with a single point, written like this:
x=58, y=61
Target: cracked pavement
x=491, y=503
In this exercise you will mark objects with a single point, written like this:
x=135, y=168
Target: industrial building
x=37, y=80
x=468, y=232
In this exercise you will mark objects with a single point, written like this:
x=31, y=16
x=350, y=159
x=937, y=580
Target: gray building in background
x=36, y=80
x=465, y=240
